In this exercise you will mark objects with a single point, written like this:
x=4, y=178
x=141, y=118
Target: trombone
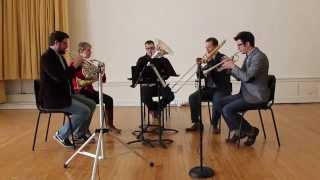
x=207, y=71
x=204, y=60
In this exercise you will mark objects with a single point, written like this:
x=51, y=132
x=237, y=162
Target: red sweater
x=79, y=75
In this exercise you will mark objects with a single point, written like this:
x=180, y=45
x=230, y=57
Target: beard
x=62, y=51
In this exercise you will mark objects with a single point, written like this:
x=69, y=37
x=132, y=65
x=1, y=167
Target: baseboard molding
x=288, y=90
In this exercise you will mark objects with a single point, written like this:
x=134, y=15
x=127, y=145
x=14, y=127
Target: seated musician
x=217, y=85
x=83, y=86
x=150, y=90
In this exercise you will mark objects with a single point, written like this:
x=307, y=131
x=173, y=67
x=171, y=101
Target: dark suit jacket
x=55, y=81
x=221, y=79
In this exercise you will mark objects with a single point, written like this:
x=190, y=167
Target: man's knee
x=84, y=112
x=226, y=111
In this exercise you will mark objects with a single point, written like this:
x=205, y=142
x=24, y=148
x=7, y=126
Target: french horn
x=91, y=68
x=161, y=49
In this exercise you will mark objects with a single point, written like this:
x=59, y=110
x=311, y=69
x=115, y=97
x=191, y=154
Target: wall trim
x=288, y=90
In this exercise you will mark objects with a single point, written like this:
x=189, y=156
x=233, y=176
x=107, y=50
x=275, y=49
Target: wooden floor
x=297, y=159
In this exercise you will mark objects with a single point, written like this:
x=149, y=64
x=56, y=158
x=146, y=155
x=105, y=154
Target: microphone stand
x=201, y=171
x=99, y=155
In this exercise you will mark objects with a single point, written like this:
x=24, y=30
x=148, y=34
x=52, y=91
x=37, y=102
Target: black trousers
x=166, y=96
x=207, y=94
x=107, y=100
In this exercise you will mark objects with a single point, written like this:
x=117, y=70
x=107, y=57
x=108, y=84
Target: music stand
x=150, y=75
x=137, y=78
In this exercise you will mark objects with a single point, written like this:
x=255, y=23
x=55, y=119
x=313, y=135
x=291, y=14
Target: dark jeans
x=231, y=106
x=207, y=94
x=166, y=96
x=107, y=100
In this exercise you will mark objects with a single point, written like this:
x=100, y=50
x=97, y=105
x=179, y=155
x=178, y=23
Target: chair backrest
x=36, y=88
x=272, y=86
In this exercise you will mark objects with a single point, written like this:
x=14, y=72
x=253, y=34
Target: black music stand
x=150, y=75
x=137, y=78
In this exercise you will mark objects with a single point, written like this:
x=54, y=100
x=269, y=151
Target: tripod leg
x=130, y=149
x=78, y=150
x=93, y=176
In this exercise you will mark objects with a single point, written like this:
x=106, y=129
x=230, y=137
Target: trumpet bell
x=162, y=49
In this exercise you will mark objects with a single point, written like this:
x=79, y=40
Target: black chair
x=267, y=106
x=47, y=111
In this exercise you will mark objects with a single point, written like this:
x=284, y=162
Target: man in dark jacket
x=55, y=86
x=165, y=69
x=217, y=85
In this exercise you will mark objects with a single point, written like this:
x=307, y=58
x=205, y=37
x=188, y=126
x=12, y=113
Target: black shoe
x=82, y=139
x=252, y=135
x=194, y=127
x=64, y=142
x=235, y=138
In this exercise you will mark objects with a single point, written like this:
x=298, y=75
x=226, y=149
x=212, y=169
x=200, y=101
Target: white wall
x=286, y=30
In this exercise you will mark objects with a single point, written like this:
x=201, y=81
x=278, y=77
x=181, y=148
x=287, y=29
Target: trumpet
x=207, y=71
x=204, y=60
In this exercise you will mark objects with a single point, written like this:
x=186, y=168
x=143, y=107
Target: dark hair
x=245, y=36
x=213, y=41
x=149, y=42
x=57, y=36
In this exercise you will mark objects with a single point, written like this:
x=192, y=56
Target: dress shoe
x=235, y=138
x=252, y=135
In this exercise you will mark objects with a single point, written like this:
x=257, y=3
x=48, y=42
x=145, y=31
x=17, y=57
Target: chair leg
x=71, y=129
x=105, y=117
x=64, y=119
x=144, y=111
x=275, y=126
x=46, y=139
x=240, y=126
x=148, y=120
x=166, y=111
x=169, y=110
x=261, y=121
x=36, y=132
